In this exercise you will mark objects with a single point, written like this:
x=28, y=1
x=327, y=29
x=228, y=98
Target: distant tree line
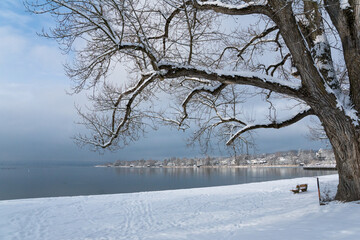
x=294, y=157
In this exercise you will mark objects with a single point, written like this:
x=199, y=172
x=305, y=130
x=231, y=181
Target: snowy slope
x=266, y=210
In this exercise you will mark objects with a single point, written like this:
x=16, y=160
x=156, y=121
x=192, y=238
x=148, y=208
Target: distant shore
x=241, y=166
x=322, y=159
x=317, y=167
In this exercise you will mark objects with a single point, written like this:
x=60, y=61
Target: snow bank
x=266, y=210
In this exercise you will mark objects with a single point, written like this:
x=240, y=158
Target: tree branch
x=259, y=36
x=228, y=77
x=275, y=125
x=139, y=88
x=275, y=66
x=236, y=9
x=212, y=91
x=107, y=133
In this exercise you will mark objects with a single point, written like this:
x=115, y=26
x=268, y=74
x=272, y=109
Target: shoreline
x=309, y=168
x=196, y=167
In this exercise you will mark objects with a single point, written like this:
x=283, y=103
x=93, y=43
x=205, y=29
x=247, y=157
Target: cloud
x=32, y=83
x=7, y=4
x=23, y=58
x=12, y=44
x=16, y=18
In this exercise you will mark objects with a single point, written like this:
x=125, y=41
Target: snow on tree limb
x=344, y=103
x=344, y=4
x=248, y=7
x=275, y=125
x=232, y=77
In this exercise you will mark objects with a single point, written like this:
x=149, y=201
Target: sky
x=37, y=116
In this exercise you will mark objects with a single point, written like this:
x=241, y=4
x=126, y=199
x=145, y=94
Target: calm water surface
x=20, y=182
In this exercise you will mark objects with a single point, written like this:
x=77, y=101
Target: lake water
x=21, y=182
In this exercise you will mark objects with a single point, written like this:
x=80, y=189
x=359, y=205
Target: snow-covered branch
x=233, y=77
x=275, y=125
x=248, y=7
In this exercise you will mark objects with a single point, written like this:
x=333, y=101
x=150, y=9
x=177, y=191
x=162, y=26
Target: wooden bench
x=300, y=188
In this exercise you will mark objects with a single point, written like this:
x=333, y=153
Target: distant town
x=309, y=158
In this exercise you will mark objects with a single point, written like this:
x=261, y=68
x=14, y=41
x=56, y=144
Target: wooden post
x=318, y=185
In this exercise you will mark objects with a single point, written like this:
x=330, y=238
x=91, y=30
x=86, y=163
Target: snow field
x=266, y=210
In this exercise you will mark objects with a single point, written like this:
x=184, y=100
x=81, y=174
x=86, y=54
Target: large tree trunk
x=344, y=138
x=340, y=129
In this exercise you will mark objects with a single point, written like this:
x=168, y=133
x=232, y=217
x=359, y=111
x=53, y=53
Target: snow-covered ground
x=266, y=210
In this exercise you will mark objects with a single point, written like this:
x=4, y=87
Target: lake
x=23, y=182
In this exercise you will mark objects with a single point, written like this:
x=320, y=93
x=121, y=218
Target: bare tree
x=303, y=52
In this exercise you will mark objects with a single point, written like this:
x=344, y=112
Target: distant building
x=325, y=155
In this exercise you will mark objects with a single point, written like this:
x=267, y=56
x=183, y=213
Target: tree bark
x=345, y=140
x=347, y=23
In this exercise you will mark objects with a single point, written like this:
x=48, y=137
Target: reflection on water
x=72, y=181
x=266, y=173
